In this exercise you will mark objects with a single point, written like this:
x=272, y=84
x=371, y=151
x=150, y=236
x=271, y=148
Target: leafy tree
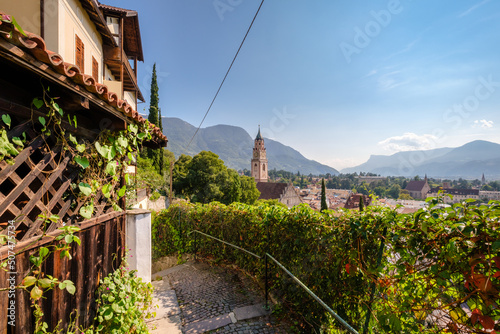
x=230, y=185
x=249, y=191
x=180, y=171
x=405, y=195
x=380, y=191
x=324, y=206
x=394, y=191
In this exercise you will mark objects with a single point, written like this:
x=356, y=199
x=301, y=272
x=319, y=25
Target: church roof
x=271, y=190
x=416, y=185
x=259, y=136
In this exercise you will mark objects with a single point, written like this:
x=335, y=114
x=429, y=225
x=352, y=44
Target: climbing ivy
x=101, y=162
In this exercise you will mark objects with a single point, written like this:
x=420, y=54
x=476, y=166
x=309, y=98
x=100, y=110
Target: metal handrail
x=228, y=243
x=326, y=307
x=302, y=285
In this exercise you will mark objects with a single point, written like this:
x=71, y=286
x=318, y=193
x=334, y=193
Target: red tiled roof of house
x=35, y=46
x=353, y=201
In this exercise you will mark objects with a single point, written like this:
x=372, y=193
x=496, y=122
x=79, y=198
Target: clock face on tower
x=255, y=154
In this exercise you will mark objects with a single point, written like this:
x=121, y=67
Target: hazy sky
x=336, y=80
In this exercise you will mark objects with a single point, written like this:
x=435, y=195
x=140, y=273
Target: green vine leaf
x=73, y=139
x=82, y=161
x=43, y=252
x=36, y=293
x=6, y=147
x=45, y=283
x=42, y=120
x=133, y=128
x=87, y=210
x=80, y=148
x=38, y=103
x=131, y=156
x=111, y=168
x=28, y=281
x=85, y=188
x=122, y=191
x=57, y=108
x=6, y=119
x=17, y=141
x=122, y=141
x=106, y=190
x=18, y=27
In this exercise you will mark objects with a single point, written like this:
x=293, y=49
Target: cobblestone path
x=222, y=299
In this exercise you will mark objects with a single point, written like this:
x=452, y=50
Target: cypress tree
x=361, y=202
x=323, y=196
x=154, y=154
x=160, y=156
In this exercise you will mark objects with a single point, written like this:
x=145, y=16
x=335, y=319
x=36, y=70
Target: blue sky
x=336, y=80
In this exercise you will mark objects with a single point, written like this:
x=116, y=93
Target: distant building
x=370, y=179
x=354, y=199
x=459, y=195
x=489, y=195
x=284, y=192
x=418, y=189
x=483, y=180
x=259, y=160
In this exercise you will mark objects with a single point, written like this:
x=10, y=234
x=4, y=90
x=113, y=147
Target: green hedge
x=433, y=260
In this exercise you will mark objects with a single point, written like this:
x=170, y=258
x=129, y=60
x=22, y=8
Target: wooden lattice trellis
x=39, y=182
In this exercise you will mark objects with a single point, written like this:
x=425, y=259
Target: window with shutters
x=95, y=69
x=79, y=53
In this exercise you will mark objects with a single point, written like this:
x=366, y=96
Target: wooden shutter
x=95, y=69
x=79, y=53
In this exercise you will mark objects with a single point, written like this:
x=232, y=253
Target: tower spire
x=259, y=136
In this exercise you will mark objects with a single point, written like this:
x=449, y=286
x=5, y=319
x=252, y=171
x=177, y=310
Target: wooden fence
x=100, y=252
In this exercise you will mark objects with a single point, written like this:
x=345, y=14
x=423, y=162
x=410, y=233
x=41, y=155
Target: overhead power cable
x=223, y=80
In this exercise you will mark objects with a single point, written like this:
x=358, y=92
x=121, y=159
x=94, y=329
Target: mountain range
x=468, y=161
x=235, y=146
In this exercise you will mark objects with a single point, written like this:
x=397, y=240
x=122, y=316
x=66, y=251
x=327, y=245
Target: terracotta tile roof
x=117, y=9
x=271, y=190
x=35, y=46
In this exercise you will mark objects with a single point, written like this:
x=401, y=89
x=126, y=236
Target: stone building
x=458, y=195
x=284, y=192
x=418, y=189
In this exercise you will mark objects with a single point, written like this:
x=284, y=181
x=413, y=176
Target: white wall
x=138, y=232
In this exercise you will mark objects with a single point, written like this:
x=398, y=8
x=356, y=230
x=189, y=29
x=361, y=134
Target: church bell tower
x=259, y=160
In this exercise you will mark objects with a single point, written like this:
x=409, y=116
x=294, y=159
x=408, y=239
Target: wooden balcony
x=115, y=58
